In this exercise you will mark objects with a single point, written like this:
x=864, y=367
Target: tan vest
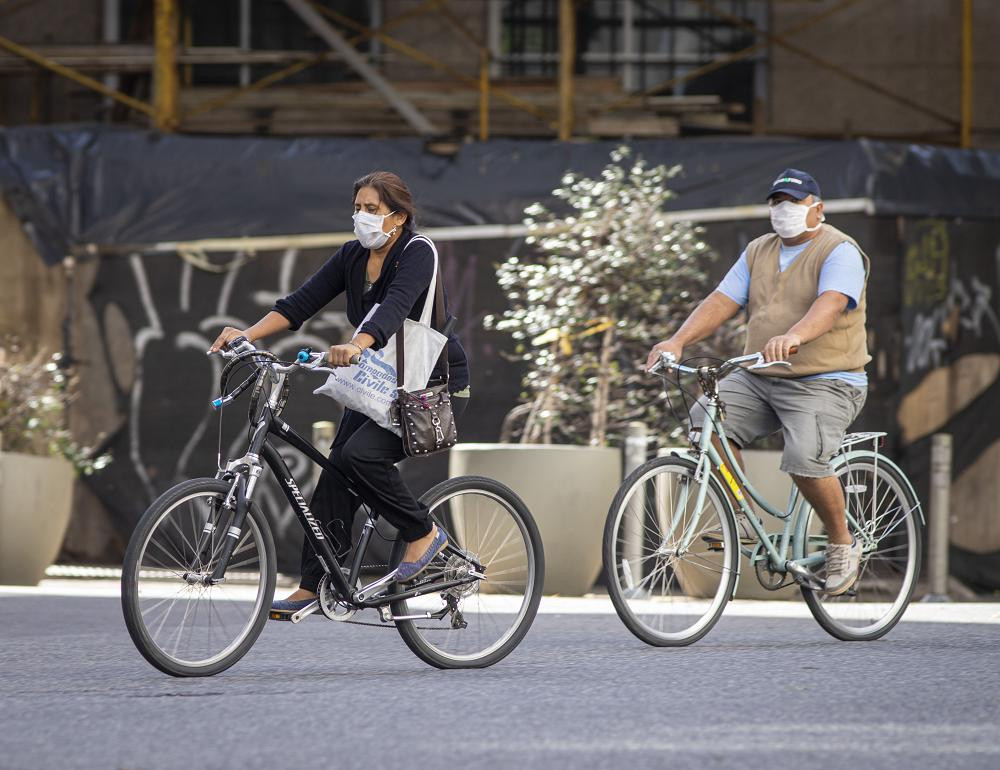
x=778, y=300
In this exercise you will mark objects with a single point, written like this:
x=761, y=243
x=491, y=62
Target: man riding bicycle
x=803, y=287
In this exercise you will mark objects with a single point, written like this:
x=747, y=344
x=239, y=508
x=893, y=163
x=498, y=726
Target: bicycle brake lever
x=763, y=365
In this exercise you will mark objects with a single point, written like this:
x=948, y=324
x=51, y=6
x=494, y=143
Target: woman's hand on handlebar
x=781, y=347
x=667, y=346
x=341, y=355
x=226, y=336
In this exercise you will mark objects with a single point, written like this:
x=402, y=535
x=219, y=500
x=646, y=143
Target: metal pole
x=111, y=33
x=636, y=443
x=628, y=46
x=244, y=40
x=940, y=514
x=567, y=60
x=166, y=86
x=357, y=62
x=966, y=132
x=484, y=95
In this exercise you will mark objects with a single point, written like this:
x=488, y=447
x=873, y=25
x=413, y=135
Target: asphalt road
x=580, y=692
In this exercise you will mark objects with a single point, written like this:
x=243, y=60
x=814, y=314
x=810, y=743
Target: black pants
x=367, y=454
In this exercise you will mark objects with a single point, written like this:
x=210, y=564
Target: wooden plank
x=139, y=58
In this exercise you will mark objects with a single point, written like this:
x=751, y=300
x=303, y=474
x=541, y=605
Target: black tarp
x=112, y=187
x=108, y=186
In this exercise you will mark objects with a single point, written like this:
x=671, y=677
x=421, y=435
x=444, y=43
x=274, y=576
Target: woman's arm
x=307, y=300
x=270, y=324
x=291, y=311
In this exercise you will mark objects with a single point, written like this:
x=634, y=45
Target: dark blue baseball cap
x=796, y=183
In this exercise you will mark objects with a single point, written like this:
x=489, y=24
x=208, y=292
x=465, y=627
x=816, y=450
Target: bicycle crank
x=804, y=576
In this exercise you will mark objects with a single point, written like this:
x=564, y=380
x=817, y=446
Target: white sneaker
x=842, y=562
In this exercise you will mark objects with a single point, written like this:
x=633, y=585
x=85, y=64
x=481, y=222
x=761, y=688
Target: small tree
x=34, y=391
x=614, y=275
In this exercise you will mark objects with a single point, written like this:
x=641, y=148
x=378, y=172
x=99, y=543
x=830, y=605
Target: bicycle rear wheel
x=180, y=625
x=488, y=521
x=886, y=523
x=669, y=573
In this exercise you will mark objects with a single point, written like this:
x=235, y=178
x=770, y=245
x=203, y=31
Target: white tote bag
x=370, y=385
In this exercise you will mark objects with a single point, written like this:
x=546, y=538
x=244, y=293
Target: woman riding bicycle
x=380, y=267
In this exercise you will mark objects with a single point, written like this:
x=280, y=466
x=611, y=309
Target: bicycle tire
x=142, y=535
x=684, y=468
x=412, y=632
x=825, y=609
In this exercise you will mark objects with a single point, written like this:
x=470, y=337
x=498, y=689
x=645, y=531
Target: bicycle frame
x=708, y=458
x=737, y=482
x=245, y=473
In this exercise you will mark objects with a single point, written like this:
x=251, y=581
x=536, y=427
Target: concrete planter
x=567, y=489
x=36, y=495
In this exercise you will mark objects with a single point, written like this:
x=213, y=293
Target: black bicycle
x=199, y=572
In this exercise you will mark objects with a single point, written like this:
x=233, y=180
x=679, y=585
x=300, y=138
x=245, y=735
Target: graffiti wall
x=950, y=379
x=148, y=321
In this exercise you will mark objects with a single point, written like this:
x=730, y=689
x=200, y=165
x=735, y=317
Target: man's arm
x=818, y=320
x=711, y=313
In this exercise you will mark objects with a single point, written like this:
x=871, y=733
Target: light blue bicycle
x=672, y=551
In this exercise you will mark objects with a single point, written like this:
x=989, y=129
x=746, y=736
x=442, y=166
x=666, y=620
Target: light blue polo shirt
x=843, y=271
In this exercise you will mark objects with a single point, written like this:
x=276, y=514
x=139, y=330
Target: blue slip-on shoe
x=290, y=605
x=408, y=570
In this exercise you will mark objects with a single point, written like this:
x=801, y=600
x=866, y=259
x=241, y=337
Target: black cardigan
x=400, y=291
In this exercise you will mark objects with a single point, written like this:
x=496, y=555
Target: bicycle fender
x=842, y=459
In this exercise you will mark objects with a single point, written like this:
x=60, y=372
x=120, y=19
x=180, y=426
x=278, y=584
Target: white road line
x=919, y=612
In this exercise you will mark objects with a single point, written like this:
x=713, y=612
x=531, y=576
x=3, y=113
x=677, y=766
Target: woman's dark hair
x=392, y=191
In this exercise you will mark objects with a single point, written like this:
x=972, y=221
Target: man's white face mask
x=789, y=219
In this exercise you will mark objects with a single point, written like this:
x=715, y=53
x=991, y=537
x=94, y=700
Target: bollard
x=940, y=514
x=636, y=443
x=322, y=436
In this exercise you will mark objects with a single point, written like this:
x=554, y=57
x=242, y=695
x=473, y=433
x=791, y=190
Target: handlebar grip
x=793, y=350
x=355, y=359
x=235, y=342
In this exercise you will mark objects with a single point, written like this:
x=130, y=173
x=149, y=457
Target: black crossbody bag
x=425, y=416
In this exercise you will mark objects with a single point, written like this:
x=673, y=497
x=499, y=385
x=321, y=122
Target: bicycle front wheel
x=488, y=521
x=180, y=625
x=670, y=564
x=882, y=515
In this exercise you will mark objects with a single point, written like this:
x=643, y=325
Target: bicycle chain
x=387, y=626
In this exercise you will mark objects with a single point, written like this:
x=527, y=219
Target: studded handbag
x=425, y=416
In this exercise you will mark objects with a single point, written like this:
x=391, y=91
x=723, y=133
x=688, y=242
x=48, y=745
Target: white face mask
x=368, y=229
x=789, y=219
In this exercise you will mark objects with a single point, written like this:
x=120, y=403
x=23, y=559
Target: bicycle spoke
x=198, y=625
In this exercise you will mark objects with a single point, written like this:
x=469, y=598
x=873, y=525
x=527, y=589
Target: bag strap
x=427, y=316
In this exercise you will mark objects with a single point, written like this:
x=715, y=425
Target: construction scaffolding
x=563, y=68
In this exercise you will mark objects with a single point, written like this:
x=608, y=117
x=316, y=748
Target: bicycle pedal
x=714, y=544
x=279, y=615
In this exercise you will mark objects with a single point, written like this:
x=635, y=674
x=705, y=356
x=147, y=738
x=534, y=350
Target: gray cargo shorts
x=813, y=416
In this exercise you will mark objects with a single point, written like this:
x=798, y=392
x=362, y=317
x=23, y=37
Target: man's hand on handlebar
x=226, y=336
x=667, y=346
x=781, y=347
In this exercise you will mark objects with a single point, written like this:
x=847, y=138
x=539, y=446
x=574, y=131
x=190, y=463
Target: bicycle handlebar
x=667, y=361
x=304, y=359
